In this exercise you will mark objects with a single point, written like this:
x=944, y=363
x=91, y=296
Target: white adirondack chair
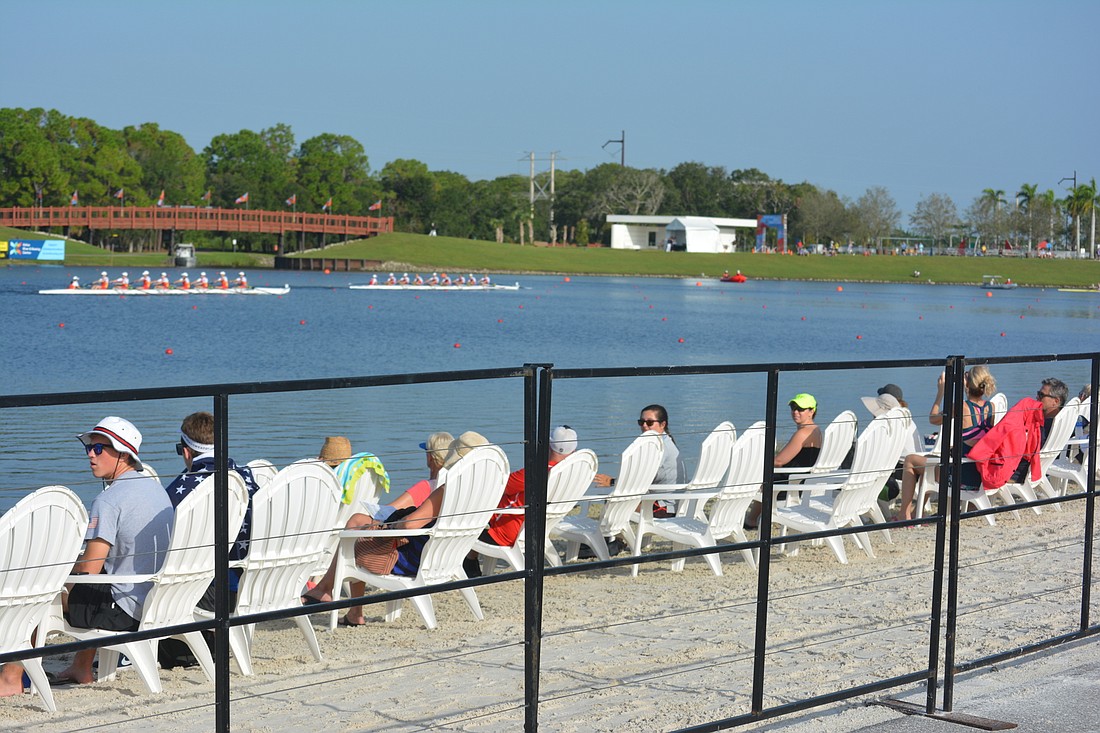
x=177, y=587
x=638, y=466
x=745, y=464
x=293, y=517
x=565, y=485
x=714, y=461
x=1064, y=471
x=40, y=539
x=1000, y=406
x=472, y=492
x=875, y=457
x=263, y=471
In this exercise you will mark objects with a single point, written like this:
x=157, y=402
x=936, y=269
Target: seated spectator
x=1020, y=432
x=978, y=417
x=435, y=454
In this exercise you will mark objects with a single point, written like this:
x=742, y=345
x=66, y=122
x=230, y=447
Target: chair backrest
x=638, y=467
x=473, y=490
x=836, y=442
x=40, y=539
x=1000, y=406
x=714, y=457
x=1061, y=430
x=189, y=563
x=875, y=457
x=746, y=474
x=263, y=471
x=147, y=470
x=568, y=480
x=293, y=519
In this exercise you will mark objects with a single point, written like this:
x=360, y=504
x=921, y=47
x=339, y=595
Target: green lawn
x=418, y=252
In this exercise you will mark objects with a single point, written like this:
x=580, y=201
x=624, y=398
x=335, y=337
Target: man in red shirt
x=504, y=529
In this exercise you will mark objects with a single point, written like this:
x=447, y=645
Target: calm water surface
x=324, y=329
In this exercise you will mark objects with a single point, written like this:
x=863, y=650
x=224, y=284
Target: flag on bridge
x=206, y=196
x=328, y=205
x=292, y=200
x=74, y=200
x=120, y=193
x=375, y=206
x=160, y=201
x=242, y=199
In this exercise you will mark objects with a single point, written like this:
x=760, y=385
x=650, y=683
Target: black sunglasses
x=642, y=421
x=179, y=448
x=96, y=448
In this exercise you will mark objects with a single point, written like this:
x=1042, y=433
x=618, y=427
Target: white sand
x=657, y=652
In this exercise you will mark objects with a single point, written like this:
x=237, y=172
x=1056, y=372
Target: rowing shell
x=440, y=288
x=163, y=291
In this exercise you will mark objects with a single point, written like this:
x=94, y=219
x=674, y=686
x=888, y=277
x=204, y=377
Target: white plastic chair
x=472, y=492
x=876, y=454
x=40, y=539
x=714, y=462
x=638, y=466
x=567, y=482
x=263, y=471
x=293, y=517
x=745, y=464
x=1000, y=406
x=836, y=442
x=181, y=581
x=1064, y=471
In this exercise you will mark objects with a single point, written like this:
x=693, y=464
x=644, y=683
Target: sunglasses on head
x=647, y=423
x=96, y=448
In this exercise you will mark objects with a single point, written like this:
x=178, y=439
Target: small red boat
x=735, y=278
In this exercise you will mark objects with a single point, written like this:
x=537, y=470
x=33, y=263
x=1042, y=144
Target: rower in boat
x=223, y=281
x=485, y=280
x=104, y=282
x=404, y=278
x=241, y=281
x=203, y=281
x=373, y=279
x=184, y=282
x=444, y=279
x=418, y=280
x=391, y=280
x=460, y=280
x=75, y=283
x=122, y=282
x=471, y=280
x=434, y=279
x=146, y=281
x=163, y=282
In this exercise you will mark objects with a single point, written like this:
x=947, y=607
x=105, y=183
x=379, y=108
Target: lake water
x=323, y=329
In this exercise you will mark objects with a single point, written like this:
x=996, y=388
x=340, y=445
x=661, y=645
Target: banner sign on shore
x=772, y=221
x=33, y=249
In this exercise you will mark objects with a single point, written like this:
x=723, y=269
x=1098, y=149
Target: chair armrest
x=109, y=579
x=356, y=533
x=510, y=510
x=675, y=495
x=665, y=488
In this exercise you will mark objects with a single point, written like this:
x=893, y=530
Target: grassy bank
x=417, y=252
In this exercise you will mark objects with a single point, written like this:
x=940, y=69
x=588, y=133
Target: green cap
x=805, y=401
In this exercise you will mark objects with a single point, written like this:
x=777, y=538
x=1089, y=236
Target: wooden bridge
x=193, y=219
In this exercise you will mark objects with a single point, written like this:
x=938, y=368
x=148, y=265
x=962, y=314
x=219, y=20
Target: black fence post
x=536, y=455
x=763, y=573
x=952, y=428
x=221, y=562
x=1090, y=501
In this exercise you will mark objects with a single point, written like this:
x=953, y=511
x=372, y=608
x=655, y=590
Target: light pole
x=1077, y=228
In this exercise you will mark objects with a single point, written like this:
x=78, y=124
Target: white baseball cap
x=563, y=440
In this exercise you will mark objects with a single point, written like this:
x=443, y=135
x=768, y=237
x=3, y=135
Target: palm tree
x=1024, y=197
x=1080, y=202
x=993, y=197
x=1050, y=202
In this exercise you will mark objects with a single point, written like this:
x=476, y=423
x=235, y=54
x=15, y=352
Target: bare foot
x=7, y=690
x=77, y=676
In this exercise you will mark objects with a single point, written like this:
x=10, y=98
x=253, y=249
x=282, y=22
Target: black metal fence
x=538, y=387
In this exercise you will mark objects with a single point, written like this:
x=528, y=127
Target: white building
x=693, y=233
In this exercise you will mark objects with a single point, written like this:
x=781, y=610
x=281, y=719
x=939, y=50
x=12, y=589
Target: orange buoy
x=500, y=320
x=803, y=317
x=568, y=280
x=681, y=341
x=664, y=319
x=328, y=271
x=168, y=351
x=458, y=345
x=839, y=289
x=61, y=325
x=301, y=323
x=698, y=284
x=989, y=293
x=859, y=338
x=1002, y=333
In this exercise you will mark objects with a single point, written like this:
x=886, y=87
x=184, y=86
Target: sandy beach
x=657, y=652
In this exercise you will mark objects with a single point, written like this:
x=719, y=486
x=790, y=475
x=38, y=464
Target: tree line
x=46, y=157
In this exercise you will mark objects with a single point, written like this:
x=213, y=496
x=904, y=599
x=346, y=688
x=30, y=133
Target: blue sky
x=919, y=97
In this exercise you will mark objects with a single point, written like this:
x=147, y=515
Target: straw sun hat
x=337, y=448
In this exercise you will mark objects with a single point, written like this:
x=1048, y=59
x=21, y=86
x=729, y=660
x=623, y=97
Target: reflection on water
x=322, y=329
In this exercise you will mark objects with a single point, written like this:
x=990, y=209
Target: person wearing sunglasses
x=654, y=418
x=801, y=450
x=196, y=447
x=129, y=527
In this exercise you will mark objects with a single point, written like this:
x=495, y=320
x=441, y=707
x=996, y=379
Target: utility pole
x=1077, y=218
x=541, y=190
x=622, y=147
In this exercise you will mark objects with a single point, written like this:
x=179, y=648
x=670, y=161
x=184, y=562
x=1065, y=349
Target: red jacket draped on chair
x=1017, y=436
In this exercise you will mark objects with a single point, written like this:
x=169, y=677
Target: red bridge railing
x=194, y=219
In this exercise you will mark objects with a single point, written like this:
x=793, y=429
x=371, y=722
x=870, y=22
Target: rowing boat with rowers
x=438, y=288
x=141, y=292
